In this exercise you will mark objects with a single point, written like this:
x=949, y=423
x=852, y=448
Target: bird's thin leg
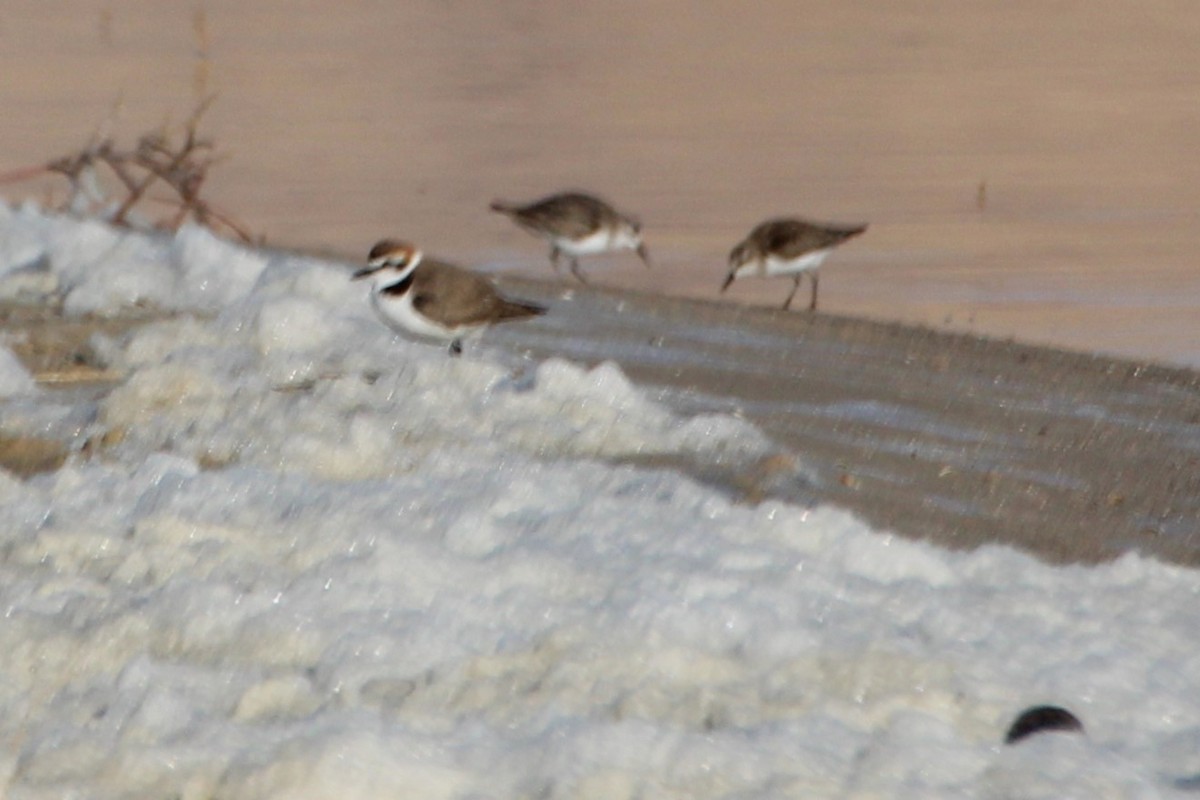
x=812, y=306
x=795, y=288
x=554, y=255
x=575, y=270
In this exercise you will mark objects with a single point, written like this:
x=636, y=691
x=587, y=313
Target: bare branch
x=154, y=160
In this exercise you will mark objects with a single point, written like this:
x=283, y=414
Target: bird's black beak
x=363, y=273
x=644, y=255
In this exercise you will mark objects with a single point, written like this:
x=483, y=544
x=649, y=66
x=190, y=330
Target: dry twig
x=154, y=162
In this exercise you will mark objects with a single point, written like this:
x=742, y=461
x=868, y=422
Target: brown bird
x=577, y=224
x=787, y=247
x=434, y=300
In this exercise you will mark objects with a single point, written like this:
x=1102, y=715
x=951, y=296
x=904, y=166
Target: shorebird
x=577, y=224
x=787, y=247
x=434, y=300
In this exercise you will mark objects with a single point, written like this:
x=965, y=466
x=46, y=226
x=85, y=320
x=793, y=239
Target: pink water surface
x=1028, y=168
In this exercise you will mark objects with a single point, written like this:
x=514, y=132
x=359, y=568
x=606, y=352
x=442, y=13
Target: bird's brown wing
x=462, y=297
x=571, y=215
x=791, y=238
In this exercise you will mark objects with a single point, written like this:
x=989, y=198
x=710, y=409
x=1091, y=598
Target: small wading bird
x=787, y=247
x=433, y=300
x=577, y=224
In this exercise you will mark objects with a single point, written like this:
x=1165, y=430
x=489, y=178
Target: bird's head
x=389, y=260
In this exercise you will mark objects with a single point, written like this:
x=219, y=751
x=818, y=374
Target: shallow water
x=1027, y=171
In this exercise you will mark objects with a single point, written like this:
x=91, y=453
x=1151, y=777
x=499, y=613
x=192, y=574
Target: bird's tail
x=502, y=207
x=849, y=232
x=516, y=309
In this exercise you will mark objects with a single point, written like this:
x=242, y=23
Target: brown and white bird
x=434, y=300
x=577, y=224
x=787, y=247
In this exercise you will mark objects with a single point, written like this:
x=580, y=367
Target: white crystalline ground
x=14, y=378
x=405, y=575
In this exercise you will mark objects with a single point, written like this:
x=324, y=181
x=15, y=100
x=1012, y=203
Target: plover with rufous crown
x=787, y=247
x=431, y=299
x=577, y=224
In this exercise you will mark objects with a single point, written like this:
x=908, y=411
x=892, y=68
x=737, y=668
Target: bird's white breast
x=599, y=241
x=809, y=261
x=400, y=315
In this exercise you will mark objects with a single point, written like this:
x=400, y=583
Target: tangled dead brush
x=157, y=161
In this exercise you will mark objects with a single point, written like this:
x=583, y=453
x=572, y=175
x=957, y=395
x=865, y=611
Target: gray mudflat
x=957, y=439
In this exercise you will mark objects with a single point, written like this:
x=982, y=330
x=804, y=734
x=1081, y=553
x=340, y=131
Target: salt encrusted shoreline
x=1073, y=457
x=955, y=438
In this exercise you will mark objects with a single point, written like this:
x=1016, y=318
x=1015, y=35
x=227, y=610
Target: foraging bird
x=577, y=224
x=434, y=300
x=787, y=247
